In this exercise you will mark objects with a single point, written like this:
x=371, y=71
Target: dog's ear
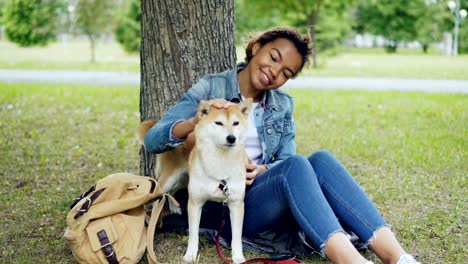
x=245, y=106
x=203, y=109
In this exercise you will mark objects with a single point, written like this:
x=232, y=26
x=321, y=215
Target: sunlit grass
x=55, y=142
x=408, y=151
x=418, y=66
x=71, y=55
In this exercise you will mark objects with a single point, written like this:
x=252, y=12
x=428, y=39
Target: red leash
x=218, y=246
x=286, y=259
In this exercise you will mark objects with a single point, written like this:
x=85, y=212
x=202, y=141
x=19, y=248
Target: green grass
x=352, y=63
x=408, y=150
x=55, y=141
x=73, y=55
x=418, y=66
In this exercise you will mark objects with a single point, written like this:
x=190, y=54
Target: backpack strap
x=155, y=213
x=106, y=248
x=89, y=200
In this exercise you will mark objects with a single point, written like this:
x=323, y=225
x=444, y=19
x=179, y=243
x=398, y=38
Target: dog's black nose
x=231, y=139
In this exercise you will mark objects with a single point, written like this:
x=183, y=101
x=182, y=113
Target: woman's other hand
x=253, y=170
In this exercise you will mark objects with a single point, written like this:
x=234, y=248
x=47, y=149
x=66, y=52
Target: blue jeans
x=317, y=191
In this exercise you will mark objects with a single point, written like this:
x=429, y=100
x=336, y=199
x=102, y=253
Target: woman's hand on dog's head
x=220, y=103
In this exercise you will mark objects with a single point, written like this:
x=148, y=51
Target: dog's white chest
x=206, y=176
x=214, y=191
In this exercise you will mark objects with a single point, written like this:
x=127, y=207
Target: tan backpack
x=107, y=223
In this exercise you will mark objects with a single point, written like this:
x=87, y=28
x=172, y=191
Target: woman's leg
x=292, y=187
x=347, y=199
x=353, y=207
x=386, y=246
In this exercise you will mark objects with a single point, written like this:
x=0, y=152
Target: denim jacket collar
x=271, y=102
x=233, y=94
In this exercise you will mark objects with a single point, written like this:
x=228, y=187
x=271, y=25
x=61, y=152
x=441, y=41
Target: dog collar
x=224, y=188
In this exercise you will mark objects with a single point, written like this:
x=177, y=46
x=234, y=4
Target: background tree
x=93, y=18
x=2, y=4
x=395, y=20
x=253, y=19
x=430, y=24
x=128, y=30
x=463, y=34
x=180, y=42
x=333, y=25
x=31, y=22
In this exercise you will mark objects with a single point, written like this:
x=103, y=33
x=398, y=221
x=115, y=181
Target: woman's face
x=273, y=64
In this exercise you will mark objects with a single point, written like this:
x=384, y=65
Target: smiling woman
x=284, y=188
x=269, y=69
x=280, y=34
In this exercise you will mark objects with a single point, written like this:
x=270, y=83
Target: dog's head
x=222, y=127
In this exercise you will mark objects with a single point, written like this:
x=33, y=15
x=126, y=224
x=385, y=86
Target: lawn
x=418, y=66
x=351, y=63
x=72, y=55
x=408, y=150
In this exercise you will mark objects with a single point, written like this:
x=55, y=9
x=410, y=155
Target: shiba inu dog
x=215, y=162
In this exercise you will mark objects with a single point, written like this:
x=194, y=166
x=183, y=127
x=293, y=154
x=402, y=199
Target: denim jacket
x=275, y=127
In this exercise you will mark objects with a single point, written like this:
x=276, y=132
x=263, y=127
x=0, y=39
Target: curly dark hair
x=302, y=43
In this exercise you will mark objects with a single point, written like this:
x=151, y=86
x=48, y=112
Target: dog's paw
x=190, y=257
x=237, y=259
x=174, y=209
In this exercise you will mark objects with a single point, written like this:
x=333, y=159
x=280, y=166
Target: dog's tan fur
x=172, y=166
x=209, y=159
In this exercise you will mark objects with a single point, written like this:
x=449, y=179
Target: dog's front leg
x=194, y=212
x=237, y=218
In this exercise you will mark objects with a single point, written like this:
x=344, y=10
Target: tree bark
x=312, y=20
x=92, y=46
x=181, y=40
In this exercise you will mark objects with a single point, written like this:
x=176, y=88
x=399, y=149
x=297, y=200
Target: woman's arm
x=287, y=145
x=183, y=128
x=172, y=129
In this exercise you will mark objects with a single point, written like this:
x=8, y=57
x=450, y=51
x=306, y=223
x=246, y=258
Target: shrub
x=31, y=22
x=128, y=30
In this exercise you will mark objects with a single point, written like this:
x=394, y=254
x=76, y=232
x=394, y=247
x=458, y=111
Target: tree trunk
x=314, y=45
x=425, y=47
x=180, y=42
x=92, y=46
x=312, y=20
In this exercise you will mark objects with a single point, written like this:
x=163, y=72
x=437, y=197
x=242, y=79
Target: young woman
x=315, y=190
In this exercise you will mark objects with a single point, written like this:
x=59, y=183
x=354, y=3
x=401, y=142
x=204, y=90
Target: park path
x=133, y=78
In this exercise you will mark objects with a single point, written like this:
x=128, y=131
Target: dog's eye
x=219, y=123
x=235, y=123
